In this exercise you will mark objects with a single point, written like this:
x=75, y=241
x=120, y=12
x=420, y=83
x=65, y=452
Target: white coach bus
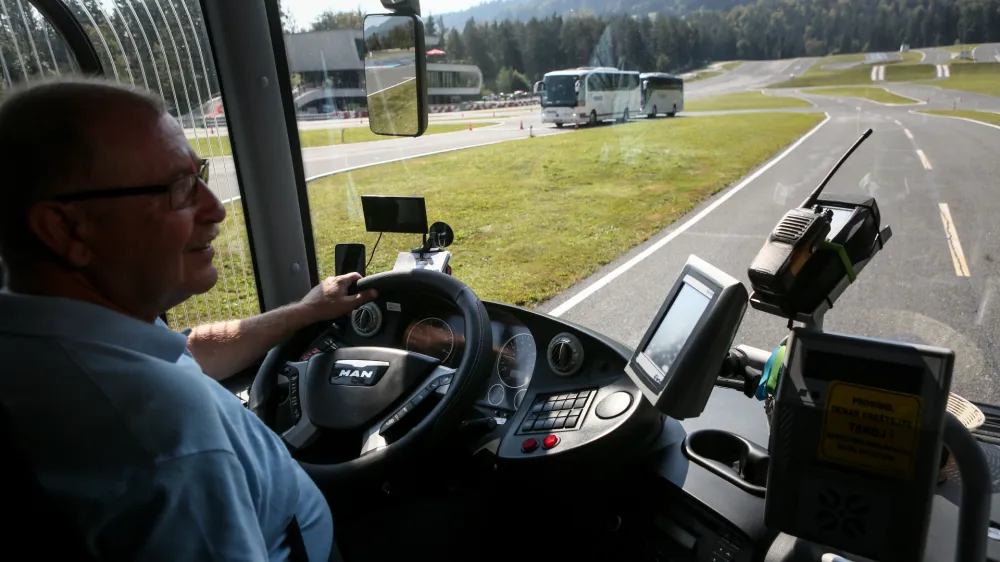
x=589, y=95
x=661, y=93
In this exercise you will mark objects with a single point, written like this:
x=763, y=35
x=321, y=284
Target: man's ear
x=63, y=230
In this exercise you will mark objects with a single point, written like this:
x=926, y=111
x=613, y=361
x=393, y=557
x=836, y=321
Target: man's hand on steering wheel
x=357, y=393
x=330, y=299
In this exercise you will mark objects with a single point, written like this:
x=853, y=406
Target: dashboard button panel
x=561, y=411
x=292, y=374
x=439, y=382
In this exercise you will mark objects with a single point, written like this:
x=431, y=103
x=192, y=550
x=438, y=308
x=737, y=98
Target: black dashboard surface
x=522, y=371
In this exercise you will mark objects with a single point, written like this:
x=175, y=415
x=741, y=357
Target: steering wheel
x=363, y=389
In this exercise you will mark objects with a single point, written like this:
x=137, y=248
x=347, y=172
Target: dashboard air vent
x=565, y=355
x=367, y=320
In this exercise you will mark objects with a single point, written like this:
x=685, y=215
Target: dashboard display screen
x=675, y=328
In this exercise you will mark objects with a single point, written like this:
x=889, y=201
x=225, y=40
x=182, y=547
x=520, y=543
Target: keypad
x=556, y=411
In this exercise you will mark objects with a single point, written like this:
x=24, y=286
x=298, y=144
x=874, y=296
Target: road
x=912, y=291
x=933, y=55
x=326, y=160
x=747, y=76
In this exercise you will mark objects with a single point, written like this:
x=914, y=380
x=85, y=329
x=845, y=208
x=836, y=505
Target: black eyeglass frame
x=186, y=195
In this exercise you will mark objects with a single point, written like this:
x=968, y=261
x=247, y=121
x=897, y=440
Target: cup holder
x=732, y=457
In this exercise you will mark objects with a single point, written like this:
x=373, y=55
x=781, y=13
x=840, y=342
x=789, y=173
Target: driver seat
x=29, y=511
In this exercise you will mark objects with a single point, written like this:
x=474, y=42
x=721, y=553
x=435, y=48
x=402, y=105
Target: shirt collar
x=58, y=317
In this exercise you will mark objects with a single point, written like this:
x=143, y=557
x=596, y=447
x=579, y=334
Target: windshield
x=560, y=90
x=587, y=205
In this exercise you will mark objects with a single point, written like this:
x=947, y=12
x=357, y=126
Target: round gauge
x=519, y=397
x=433, y=337
x=495, y=395
x=517, y=360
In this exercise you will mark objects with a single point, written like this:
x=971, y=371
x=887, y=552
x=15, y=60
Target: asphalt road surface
x=747, y=76
x=935, y=56
x=326, y=160
x=915, y=290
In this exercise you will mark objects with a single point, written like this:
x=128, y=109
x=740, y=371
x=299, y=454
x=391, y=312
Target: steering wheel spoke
x=438, y=382
x=359, y=391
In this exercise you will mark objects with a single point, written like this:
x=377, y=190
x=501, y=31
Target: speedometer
x=516, y=360
x=433, y=337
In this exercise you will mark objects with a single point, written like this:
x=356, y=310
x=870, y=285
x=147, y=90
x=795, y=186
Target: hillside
x=524, y=10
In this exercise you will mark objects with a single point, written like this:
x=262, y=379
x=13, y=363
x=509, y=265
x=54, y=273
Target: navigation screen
x=675, y=328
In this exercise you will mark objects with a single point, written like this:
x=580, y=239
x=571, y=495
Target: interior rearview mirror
x=395, y=68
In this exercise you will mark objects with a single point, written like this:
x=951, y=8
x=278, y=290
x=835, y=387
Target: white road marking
x=923, y=159
x=874, y=74
x=393, y=86
x=909, y=135
x=391, y=160
x=991, y=125
x=618, y=271
x=881, y=73
x=954, y=245
x=947, y=70
x=896, y=121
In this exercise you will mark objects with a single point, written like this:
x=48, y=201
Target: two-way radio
x=815, y=251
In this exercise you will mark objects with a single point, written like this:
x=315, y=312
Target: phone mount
x=408, y=215
x=815, y=252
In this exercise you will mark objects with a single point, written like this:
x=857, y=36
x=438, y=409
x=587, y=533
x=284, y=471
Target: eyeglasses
x=182, y=191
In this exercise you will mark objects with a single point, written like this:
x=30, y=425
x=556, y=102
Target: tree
x=454, y=46
x=330, y=20
x=430, y=26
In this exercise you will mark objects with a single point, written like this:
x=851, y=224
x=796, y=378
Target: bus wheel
x=558, y=125
x=593, y=117
x=674, y=112
x=653, y=114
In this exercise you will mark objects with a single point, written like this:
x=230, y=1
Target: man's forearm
x=226, y=348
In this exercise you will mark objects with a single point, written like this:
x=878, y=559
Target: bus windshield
x=559, y=90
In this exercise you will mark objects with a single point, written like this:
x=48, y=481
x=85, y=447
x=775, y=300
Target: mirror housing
x=395, y=73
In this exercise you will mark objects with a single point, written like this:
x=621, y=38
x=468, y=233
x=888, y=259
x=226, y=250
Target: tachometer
x=517, y=360
x=431, y=336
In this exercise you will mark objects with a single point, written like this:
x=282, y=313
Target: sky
x=307, y=10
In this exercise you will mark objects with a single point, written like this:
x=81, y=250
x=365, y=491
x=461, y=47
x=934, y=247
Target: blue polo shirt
x=153, y=458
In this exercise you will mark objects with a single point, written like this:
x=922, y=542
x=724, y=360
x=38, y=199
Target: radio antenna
x=811, y=200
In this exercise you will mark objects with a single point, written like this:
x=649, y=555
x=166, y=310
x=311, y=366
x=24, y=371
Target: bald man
x=105, y=223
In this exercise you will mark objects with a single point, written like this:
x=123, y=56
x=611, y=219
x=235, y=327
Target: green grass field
x=743, y=100
x=839, y=59
x=703, y=75
x=984, y=116
x=531, y=217
x=960, y=48
x=311, y=138
x=394, y=110
x=903, y=72
x=816, y=76
x=879, y=95
x=981, y=77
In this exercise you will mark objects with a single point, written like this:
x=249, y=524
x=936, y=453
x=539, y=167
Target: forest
x=161, y=44
x=769, y=29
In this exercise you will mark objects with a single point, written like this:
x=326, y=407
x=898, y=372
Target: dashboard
x=547, y=372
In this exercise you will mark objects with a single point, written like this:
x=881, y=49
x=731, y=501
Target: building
x=330, y=67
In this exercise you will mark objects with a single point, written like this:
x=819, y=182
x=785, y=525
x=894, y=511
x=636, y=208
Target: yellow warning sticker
x=871, y=429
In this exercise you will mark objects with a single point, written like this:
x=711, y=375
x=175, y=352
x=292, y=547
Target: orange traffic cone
x=470, y=125
x=576, y=125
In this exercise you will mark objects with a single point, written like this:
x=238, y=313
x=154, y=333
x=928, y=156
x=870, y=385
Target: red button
x=550, y=441
x=529, y=445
